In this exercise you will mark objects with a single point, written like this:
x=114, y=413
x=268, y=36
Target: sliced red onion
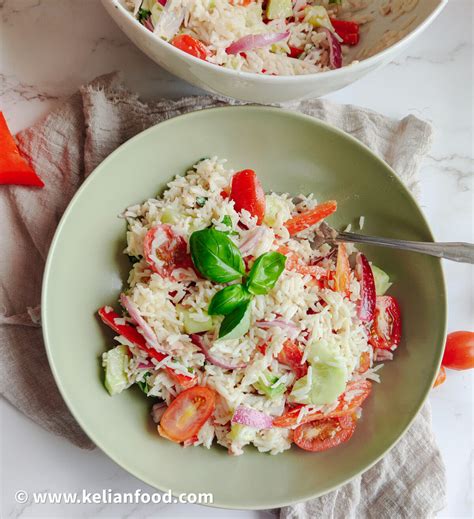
x=148, y=24
x=252, y=418
x=145, y=365
x=157, y=411
x=380, y=355
x=143, y=326
x=283, y=324
x=335, y=51
x=251, y=240
x=255, y=41
x=198, y=341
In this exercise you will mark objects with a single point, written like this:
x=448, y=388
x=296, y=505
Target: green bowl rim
x=97, y=170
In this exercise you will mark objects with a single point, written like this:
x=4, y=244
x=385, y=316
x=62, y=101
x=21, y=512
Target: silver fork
x=455, y=251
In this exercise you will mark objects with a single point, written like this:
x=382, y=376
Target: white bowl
x=260, y=88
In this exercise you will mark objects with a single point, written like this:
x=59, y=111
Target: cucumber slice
x=279, y=9
x=265, y=382
x=274, y=206
x=328, y=383
x=325, y=352
x=194, y=324
x=156, y=12
x=241, y=433
x=115, y=363
x=317, y=16
x=148, y=4
x=329, y=375
x=382, y=280
x=170, y=216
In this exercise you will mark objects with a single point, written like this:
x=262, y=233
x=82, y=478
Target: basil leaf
x=228, y=221
x=228, y=299
x=216, y=256
x=237, y=323
x=265, y=272
x=143, y=385
x=143, y=14
x=134, y=259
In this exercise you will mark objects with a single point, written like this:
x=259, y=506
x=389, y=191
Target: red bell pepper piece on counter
x=135, y=337
x=14, y=169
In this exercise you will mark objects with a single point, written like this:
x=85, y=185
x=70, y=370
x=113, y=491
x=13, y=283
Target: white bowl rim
x=264, y=78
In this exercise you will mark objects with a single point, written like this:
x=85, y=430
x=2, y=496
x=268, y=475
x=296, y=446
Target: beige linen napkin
x=64, y=148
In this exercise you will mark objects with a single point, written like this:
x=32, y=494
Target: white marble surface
x=49, y=47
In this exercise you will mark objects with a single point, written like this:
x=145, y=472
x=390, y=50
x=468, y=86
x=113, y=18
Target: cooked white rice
x=321, y=315
x=219, y=23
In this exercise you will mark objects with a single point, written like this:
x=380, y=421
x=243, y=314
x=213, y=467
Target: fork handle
x=455, y=251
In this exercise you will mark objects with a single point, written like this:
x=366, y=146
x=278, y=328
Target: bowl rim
x=45, y=317
x=264, y=78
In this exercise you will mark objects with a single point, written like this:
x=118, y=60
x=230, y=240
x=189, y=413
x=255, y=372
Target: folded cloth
x=64, y=148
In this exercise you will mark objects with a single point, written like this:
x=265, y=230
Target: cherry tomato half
x=363, y=388
x=130, y=332
x=459, y=350
x=187, y=413
x=386, y=331
x=165, y=250
x=247, y=193
x=190, y=45
x=324, y=434
x=364, y=362
x=291, y=356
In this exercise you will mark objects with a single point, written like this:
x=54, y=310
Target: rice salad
x=240, y=324
x=273, y=37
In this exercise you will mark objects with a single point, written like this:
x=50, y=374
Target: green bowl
x=86, y=269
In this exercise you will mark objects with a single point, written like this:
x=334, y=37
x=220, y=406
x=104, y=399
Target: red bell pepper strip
x=135, y=337
x=363, y=388
x=310, y=217
x=14, y=169
x=365, y=276
x=291, y=356
x=295, y=52
x=247, y=193
x=348, y=31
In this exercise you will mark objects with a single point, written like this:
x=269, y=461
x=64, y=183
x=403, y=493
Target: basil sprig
x=265, y=272
x=216, y=256
x=228, y=299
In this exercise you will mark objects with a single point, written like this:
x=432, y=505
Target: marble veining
x=48, y=48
